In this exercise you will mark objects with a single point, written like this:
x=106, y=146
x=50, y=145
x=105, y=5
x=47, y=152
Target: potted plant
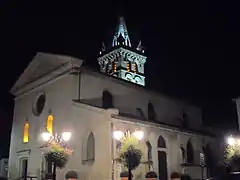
x=124, y=175
x=71, y=175
x=58, y=157
x=134, y=155
x=175, y=176
x=151, y=175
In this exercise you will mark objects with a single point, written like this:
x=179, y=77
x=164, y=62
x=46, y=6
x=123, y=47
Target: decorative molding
x=63, y=65
x=133, y=56
x=142, y=123
x=23, y=153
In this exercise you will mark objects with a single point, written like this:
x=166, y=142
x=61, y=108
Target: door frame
x=164, y=150
x=20, y=161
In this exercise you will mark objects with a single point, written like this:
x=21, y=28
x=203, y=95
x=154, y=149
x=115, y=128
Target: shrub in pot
x=175, y=176
x=135, y=156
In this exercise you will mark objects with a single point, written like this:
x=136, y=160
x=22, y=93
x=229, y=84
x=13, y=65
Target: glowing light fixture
x=66, y=136
x=46, y=136
x=118, y=135
x=138, y=135
x=231, y=141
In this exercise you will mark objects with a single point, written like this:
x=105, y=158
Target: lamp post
x=56, y=139
x=119, y=135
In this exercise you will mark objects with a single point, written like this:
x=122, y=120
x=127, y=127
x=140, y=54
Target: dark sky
x=192, y=46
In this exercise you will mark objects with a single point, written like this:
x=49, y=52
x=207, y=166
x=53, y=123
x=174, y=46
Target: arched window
x=184, y=120
x=50, y=123
x=26, y=132
x=107, y=100
x=161, y=142
x=128, y=66
x=151, y=112
x=182, y=154
x=190, y=152
x=88, y=153
x=90, y=147
x=114, y=66
x=135, y=68
x=162, y=158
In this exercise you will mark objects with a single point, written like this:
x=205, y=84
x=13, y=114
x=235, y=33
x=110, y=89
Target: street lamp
x=119, y=135
x=231, y=140
x=59, y=139
x=56, y=139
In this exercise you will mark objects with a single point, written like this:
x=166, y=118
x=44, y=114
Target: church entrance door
x=162, y=159
x=162, y=165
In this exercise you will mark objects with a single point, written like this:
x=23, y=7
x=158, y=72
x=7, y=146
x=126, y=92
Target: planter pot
x=151, y=175
x=71, y=175
x=124, y=175
x=175, y=176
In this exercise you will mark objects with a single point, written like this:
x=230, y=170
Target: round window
x=39, y=104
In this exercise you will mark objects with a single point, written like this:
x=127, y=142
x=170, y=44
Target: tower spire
x=121, y=34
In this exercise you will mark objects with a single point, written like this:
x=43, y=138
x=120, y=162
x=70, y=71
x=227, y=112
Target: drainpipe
x=79, y=85
x=112, y=151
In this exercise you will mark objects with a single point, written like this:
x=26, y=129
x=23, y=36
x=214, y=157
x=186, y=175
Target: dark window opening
x=151, y=112
x=38, y=107
x=161, y=142
x=190, y=152
x=107, y=100
x=24, y=169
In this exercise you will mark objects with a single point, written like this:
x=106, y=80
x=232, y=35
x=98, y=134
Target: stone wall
x=127, y=98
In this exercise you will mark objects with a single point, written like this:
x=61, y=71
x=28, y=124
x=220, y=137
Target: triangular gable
x=41, y=65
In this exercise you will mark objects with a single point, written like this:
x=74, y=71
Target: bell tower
x=122, y=60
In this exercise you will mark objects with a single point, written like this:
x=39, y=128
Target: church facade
x=92, y=105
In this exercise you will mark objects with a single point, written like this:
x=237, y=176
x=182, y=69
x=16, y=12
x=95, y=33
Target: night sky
x=192, y=46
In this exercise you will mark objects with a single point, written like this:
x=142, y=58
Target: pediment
x=42, y=65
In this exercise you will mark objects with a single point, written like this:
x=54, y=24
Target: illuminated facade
x=122, y=60
x=57, y=93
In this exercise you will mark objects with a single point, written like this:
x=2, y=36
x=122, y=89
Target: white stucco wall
x=127, y=98
x=81, y=119
x=69, y=116
x=59, y=97
x=173, y=141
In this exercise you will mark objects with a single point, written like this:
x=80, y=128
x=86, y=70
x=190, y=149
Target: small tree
x=134, y=155
x=232, y=156
x=58, y=156
x=129, y=151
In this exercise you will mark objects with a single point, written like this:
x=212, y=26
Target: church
x=92, y=106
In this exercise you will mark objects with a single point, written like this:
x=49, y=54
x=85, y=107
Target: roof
x=121, y=31
x=44, y=64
